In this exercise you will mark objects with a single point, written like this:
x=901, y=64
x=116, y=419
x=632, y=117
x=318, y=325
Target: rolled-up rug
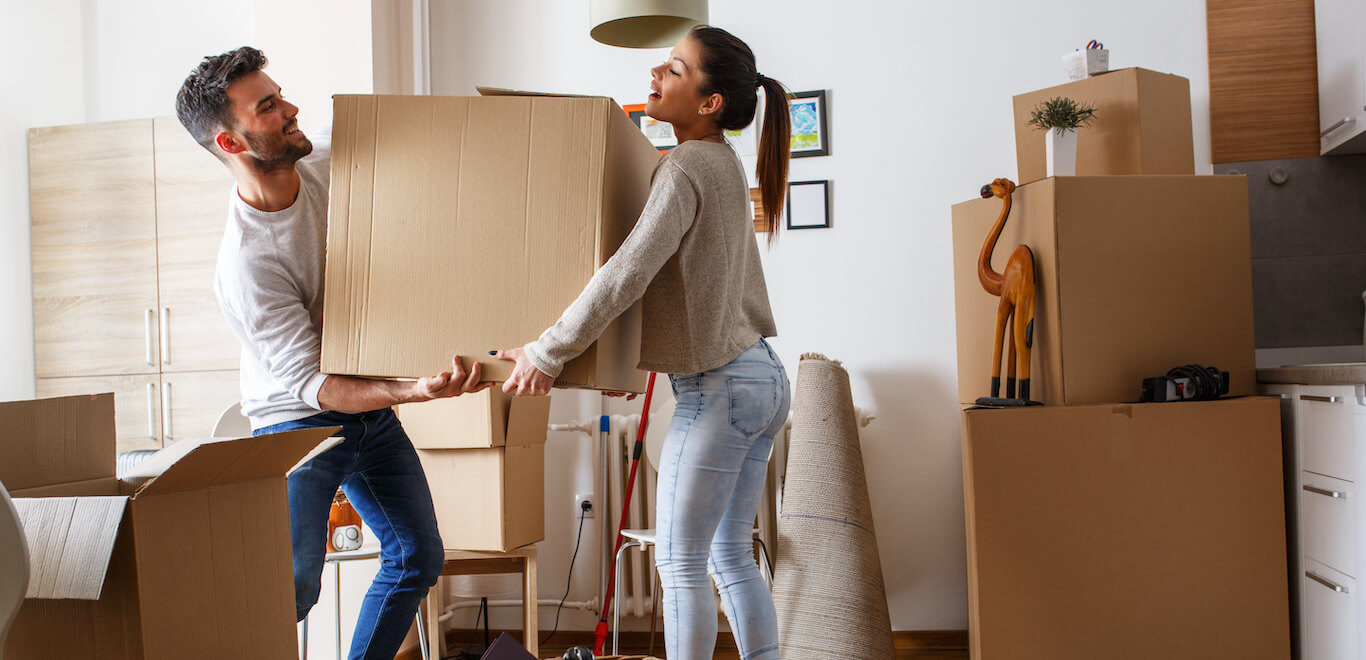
x=827, y=585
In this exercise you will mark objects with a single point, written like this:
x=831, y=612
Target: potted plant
x=1060, y=117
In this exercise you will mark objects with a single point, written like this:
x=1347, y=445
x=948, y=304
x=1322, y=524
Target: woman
x=693, y=257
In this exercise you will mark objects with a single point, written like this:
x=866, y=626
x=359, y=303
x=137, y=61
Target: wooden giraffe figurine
x=1016, y=288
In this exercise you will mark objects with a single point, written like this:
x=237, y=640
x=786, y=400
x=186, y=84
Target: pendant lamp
x=644, y=23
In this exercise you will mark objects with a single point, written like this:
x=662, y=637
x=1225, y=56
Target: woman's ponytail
x=728, y=65
x=775, y=144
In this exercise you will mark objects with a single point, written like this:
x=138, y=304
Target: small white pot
x=1060, y=152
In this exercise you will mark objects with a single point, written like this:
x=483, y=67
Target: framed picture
x=810, y=132
x=660, y=133
x=808, y=204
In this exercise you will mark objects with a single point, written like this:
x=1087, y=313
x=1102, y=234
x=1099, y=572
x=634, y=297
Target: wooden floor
x=919, y=645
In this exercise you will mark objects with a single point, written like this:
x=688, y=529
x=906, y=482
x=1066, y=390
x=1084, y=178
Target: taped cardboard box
x=460, y=225
x=177, y=560
x=487, y=499
x=1126, y=531
x=1136, y=275
x=1142, y=125
x=489, y=418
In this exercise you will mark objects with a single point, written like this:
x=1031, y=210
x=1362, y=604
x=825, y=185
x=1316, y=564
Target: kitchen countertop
x=1342, y=373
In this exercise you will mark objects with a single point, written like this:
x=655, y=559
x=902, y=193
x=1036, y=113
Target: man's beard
x=276, y=152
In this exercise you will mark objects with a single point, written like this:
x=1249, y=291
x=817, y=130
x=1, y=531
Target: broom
x=600, y=632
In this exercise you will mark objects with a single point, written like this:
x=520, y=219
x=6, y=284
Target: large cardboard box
x=1142, y=125
x=489, y=418
x=1136, y=275
x=462, y=225
x=1126, y=531
x=188, y=557
x=487, y=499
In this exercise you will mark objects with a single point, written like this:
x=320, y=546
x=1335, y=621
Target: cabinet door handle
x=151, y=411
x=1335, y=494
x=166, y=412
x=147, y=335
x=165, y=335
x=1325, y=582
x=1320, y=399
x=1345, y=121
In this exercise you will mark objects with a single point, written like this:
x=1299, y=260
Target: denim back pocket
x=753, y=402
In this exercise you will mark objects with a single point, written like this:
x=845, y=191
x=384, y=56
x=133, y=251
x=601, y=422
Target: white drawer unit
x=1330, y=614
x=1324, y=431
x=1329, y=419
x=1328, y=521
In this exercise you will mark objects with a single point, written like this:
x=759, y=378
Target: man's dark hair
x=202, y=104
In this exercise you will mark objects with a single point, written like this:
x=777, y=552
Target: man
x=269, y=283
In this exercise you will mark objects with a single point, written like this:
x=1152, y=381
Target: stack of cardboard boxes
x=1096, y=526
x=463, y=225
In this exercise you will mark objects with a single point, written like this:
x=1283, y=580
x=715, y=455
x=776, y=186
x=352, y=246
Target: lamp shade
x=644, y=23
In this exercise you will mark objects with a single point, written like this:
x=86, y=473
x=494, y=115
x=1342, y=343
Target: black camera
x=1191, y=382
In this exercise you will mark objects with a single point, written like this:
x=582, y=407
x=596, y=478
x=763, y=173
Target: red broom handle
x=600, y=632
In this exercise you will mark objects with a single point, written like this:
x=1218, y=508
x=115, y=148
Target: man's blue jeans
x=377, y=467
x=711, y=476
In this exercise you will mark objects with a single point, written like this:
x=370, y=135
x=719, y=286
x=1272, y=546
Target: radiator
x=638, y=574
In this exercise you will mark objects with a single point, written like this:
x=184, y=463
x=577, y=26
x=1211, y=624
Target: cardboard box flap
x=53, y=441
x=528, y=421
x=189, y=464
x=70, y=542
x=500, y=91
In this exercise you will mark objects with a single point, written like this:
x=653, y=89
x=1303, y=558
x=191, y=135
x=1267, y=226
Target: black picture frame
x=801, y=105
x=808, y=204
x=636, y=116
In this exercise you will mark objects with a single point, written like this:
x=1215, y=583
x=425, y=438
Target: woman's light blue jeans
x=711, y=477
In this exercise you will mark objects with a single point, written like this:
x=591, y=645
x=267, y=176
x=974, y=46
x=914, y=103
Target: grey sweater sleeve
x=669, y=212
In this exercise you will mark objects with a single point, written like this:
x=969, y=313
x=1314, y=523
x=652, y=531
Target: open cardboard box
x=187, y=557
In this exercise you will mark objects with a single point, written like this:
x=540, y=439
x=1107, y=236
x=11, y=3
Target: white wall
x=920, y=106
x=45, y=38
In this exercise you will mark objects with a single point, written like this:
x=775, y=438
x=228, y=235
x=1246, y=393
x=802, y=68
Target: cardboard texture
x=53, y=441
x=487, y=499
x=462, y=225
x=1142, y=125
x=1136, y=275
x=187, y=559
x=1126, y=531
x=489, y=418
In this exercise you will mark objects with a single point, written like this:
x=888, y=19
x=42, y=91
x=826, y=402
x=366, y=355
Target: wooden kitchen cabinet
x=93, y=208
x=192, y=192
x=1340, y=34
x=127, y=218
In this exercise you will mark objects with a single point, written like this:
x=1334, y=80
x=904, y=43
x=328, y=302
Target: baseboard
x=904, y=640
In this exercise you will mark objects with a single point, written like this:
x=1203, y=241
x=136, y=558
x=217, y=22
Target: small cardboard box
x=1142, y=125
x=487, y=499
x=488, y=418
x=461, y=225
x=1136, y=275
x=1126, y=531
x=190, y=558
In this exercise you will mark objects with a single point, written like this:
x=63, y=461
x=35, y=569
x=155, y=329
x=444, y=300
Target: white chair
x=661, y=412
x=13, y=565
x=233, y=424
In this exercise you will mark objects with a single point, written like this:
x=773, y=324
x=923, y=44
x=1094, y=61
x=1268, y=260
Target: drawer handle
x=147, y=336
x=1335, y=494
x=1320, y=399
x=1325, y=582
x=1340, y=123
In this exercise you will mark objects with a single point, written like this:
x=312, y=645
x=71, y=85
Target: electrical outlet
x=584, y=500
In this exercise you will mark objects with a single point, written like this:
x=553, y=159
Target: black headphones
x=578, y=653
